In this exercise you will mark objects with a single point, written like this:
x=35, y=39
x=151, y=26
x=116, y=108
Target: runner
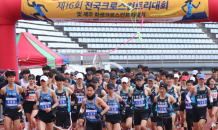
x=145, y=70
x=163, y=77
x=175, y=92
x=106, y=77
x=140, y=68
x=30, y=92
x=165, y=104
x=113, y=79
x=63, y=94
x=176, y=80
x=199, y=102
x=124, y=92
x=24, y=82
x=141, y=110
x=212, y=110
x=10, y=95
x=93, y=106
x=89, y=77
x=79, y=91
x=50, y=76
x=103, y=85
x=113, y=118
x=98, y=91
x=183, y=89
x=67, y=75
x=54, y=72
x=130, y=84
x=155, y=90
x=46, y=101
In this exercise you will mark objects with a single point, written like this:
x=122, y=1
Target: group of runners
x=100, y=99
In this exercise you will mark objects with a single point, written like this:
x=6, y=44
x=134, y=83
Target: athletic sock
x=182, y=125
x=185, y=128
x=212, y=124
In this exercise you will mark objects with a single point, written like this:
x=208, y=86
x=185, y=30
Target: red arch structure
x=10, y=12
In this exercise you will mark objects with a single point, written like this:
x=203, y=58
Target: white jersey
x=23, y=83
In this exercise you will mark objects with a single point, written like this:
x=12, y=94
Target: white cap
x=79, y=75
x=176, y=76
x=192, y=78
x=194, y=72
x=45, y=78
x=125, y=79
x=67, y=72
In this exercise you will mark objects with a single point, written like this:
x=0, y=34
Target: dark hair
x=171, y=76
x=26, y=71
x=48, y=74
x=107, y=71
x=54, y=71
x=141, y=73
x=68, y=79
x=93, y=69
x=127, y=75
x=103, y=70
x=145, y=68
x=31, y=75
x=87, y=69
x=161, y=70
x=46, y=68
x=140, y=66
x=59, y=77
x=185, y=73
x=208, y=81
x=214, y=69
x=98, y=71
x=62, y=71
x=10, y=73
x=114, y=70
x=91, y=85
x=165, y=72
x=151, y=72
x=128, y=69
x=189, y=81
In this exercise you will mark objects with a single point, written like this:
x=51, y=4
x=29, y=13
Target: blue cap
x=122, y=70
x=201, y=76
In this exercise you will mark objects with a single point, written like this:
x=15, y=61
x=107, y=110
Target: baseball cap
x=194, y=72
x=164, y=85
x=89, y=73
x=67, y=72
x=110, y=85
x=45, y=78
x=95, y=79
x=76, y=72
x=201, y=76
x=106, y=75
x=79, y=75
x=124, y=79
x=151, y=77
x=176, y=76
x=192, y=78
x=72, y=73
x=122, y=70
x=139, y=77
x=184, y=78
x=113, y=76
x=175, y=70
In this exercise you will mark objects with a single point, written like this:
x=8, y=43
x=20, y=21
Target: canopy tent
x=32, y=52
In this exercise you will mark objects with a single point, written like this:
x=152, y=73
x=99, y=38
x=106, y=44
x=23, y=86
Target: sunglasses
x=31, y=78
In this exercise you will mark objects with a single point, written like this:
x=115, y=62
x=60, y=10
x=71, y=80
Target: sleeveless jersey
x=80, y=93
x=30, y=94
x=63, y=101
x=12, y=99
x=182, y=90
x=92, y=110
x=45, y=100
x=98, y=92
x=153, y=93
x=23, y=83
x=125, y=97
x=113, y=105
x=116, y=88
x=102, y=85
x=162, y=105
x=201, y=97
x=140, y=100
x=214, y=93
x=172, y=92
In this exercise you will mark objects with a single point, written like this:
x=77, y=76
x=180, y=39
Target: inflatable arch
x=122, y=11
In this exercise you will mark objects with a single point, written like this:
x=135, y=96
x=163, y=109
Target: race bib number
x=113, y=109
x=139, y=102
x=149, y=100
x=80, y=99
x=202, y=102
x=62, y=102
x=11, y=101
x=188, y=105
x=31, y=97
x=91, y=114
x=45, y=105
x=214, y=95
x=162, y=108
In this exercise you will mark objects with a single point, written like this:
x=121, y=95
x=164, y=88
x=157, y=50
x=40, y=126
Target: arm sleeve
x=129, y=99
x=211, y=98
x=152, y=97
x=188, y=97
x=24, y=97
x=124, y=105
x=153, y=106
x=74, y=97
x=175, y=107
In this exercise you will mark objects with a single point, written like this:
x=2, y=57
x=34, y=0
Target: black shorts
x=129, y=113
x=28, y=107
x=189, y=118
x=199, y=113
x=113, y=119
x=14, y=114
x=165, y=122
x=75, y=117
x=182, y=108
x=139, y=116
x=93, y=126
x=45, y=117
x=154, y=118
x=63, y=120
x=214, y=105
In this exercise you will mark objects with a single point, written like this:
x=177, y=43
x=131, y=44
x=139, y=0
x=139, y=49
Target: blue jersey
x=201, y=97
x=116, y=88
x=113, y=105
x=63, y=101
x=140, y=100
x=153, y=93
x=188, y=106
x=125, y=97
x=102, y=85
x=45, y=100
x=162, y=105
x=172, y=92
x=12, y=99
x=92, y=110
